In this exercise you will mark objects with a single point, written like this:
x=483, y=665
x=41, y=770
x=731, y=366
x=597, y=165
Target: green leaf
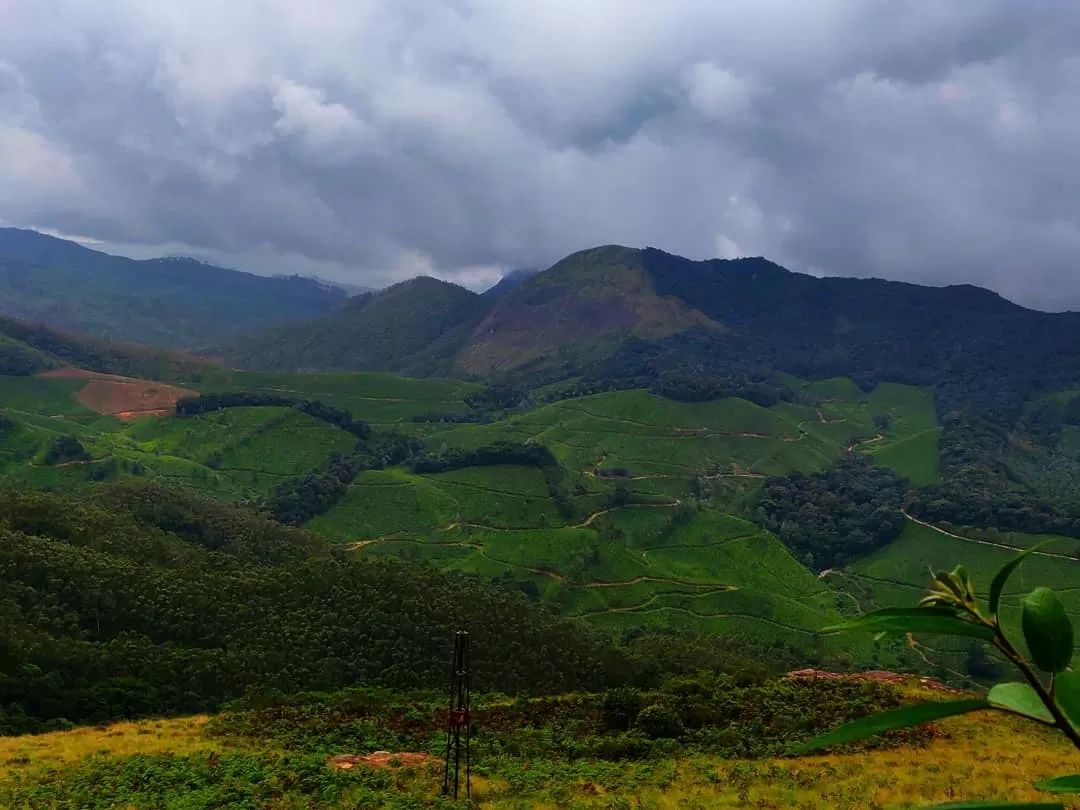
x=1067, y=696
x=1020, y=698
x=1062, y=784
x=888, y=721
x=997, y=805
x=914, y=620
x=1048, y=630
x=1002, y=576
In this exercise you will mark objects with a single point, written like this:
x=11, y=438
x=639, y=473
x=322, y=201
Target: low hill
x=172, y=603
x=167, y=302
x=31, y=348
x=620, y=314
x=415, y=327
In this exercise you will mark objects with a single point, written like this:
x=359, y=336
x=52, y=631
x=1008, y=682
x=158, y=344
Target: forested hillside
x=141, y=599
x=416, y=327
x=165, y=302
x=27, y=349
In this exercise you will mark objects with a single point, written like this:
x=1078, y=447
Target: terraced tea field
x=381, y=399
x=899, y=574
x=632, y=531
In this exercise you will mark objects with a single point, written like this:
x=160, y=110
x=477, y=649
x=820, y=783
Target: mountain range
x=705, y=461
x=612, y=316
x=175, y=302
x=618, y=313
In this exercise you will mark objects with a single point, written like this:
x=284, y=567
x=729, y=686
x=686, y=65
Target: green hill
x=140, y=599
x=415, y=327
x=165, y=302
x=27, y=349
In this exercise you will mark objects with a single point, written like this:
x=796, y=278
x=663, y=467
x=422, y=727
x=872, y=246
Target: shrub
x=621, y=708
x=66, y=449
x=659, y=721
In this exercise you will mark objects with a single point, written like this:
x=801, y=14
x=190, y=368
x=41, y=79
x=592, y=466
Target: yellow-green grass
x=980, y=756
x=24, y=756
x=977, y=757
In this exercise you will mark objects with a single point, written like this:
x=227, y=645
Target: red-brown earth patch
x=380, y=759
x=124, y=397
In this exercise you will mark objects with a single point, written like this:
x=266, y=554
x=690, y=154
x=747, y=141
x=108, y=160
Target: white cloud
x=915, y=139
x=717, y=93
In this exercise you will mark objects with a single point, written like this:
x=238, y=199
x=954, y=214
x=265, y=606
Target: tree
x=1049, y=695
x=64, y=450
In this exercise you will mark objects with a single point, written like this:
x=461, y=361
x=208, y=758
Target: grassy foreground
x=190, y=763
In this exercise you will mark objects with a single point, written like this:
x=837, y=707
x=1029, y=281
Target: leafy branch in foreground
x=952, y=608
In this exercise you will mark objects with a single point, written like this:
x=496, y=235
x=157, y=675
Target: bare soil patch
x=125, y=397
x=380, y=759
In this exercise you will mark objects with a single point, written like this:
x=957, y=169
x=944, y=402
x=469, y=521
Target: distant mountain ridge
x=614, y=314
x=175, y=302
x=510, y=282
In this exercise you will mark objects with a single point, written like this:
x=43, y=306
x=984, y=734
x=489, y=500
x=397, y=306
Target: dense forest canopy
x=833, y=518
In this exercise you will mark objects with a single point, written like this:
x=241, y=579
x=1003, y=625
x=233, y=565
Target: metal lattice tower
x=458, y=722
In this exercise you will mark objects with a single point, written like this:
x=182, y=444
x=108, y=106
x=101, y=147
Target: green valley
x=641, y=522
x=646, y=526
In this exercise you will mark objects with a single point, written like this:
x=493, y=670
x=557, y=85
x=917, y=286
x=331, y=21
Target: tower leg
x=458, y=721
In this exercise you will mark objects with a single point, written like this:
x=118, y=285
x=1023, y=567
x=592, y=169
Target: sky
x=367, y=141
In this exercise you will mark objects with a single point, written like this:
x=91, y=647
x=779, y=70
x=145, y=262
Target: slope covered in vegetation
x=415, y=327
x=164, y=302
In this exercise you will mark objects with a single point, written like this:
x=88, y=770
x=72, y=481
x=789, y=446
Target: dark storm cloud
x=369, y=140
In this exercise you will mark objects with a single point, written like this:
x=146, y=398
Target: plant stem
x=1021, y=663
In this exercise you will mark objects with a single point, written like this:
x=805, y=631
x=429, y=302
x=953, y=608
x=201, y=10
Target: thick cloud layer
x=368, y=140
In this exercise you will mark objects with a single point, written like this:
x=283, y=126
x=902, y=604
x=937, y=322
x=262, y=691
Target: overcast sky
x=369, y=140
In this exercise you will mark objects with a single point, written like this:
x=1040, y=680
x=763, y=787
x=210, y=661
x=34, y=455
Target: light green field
x=653, y=565
x=647, y=434
x=232, y=453
x=46, y=396
x=381, y=399
x=845, y=419
x=899, y=574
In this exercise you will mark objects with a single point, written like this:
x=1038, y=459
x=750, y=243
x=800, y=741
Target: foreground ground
x=185, y=763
